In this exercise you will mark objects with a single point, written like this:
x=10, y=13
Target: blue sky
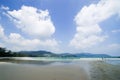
x=61, y=25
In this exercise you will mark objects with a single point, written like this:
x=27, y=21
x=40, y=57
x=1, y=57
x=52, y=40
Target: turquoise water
x=51, y=60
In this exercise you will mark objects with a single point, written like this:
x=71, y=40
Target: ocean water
x=52, y=60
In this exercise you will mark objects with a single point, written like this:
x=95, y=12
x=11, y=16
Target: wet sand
x=104, y=71
x=62, y=71
x=78, y=70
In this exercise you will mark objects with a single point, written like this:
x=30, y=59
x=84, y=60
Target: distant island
x=8, y=53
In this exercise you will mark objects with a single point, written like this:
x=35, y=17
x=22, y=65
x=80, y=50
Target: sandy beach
x=10, y=71
x=81, y=70
x=103, y=71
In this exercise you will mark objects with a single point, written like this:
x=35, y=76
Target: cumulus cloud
x=21, y=43
x=35, y=23
x=32, y=21
x=1, y=31
x=17, y=42
x=2, y=36
x=88, y=30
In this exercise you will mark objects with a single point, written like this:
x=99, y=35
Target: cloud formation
x=32, y=21
x=4, y=7
x=1, y=32
x=35, y=23
x=88, y=30
x=20, y=42
x=17, y=42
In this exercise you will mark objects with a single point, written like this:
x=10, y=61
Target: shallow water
x=113, y=62
x=66, y=69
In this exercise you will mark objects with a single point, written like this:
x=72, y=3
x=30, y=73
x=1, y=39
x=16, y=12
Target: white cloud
x=112, y=49
x=116, y=31
x=1, y=31
x=17, y=42
x=20, y=43
x=2, y=36
x=4, y=7
x=34, y=22
x=87, y=20
x=114, y=46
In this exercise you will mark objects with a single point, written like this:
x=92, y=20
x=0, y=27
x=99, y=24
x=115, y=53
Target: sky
x=61, y=26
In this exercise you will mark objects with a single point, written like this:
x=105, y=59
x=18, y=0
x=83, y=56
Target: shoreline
x=63, y=71
x=75, y=70
x=57, y=59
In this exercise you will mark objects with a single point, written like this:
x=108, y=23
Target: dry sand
x=82, y=70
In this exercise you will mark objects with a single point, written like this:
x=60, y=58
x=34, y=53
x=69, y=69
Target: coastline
x=59, y=70
x=57, y=59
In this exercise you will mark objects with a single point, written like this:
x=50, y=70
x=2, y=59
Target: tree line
x=8, y=53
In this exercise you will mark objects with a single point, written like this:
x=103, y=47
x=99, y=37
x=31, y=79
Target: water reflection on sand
x=66, y=69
